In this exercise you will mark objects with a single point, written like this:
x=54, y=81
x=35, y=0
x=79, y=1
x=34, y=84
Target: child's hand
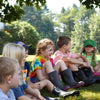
x=88, y=64
x=84, y=64
x=41, y=97
x=36, y=85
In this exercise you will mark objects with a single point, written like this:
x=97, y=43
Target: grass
x=91, y=92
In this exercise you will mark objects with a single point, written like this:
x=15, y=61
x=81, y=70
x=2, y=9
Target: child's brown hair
x=61, y=40
x=8, y=66
x=42, y=44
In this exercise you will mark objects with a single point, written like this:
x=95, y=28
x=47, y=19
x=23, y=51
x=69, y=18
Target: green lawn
x=91, y=92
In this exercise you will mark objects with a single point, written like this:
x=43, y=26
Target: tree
x=9, y=12
x=90, y=3
x=66, y=19
x=82, y=31
x=42, y=20
x=23, y=31
x=94, y=27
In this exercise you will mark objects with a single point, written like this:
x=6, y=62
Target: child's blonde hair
x=14, y=51
x=8, y=66
x=42, y=44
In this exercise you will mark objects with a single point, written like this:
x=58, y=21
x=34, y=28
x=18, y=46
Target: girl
x=18, y=52
x=89, y=52
x=43, y=67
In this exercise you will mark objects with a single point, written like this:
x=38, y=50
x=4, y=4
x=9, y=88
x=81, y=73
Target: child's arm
x=84, y=59
x=40, y=75
x=97, y=63
x=73, y=61
x=34, y=92
x=23, y=98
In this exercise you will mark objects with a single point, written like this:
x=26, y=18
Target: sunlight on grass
x=30, y=58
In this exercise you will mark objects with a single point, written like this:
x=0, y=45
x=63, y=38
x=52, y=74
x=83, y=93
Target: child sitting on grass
x=44, y=83
x=24, y=91
x=9, y=77
x=43, y=67
x=72, y=61
x=88, y=51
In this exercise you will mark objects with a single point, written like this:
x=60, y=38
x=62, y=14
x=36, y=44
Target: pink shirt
x=58, y=55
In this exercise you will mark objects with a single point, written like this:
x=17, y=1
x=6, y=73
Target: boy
x=73, y=61
x=9, y=77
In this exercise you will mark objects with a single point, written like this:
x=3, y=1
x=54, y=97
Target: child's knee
x=46, y=81
x=62, y=63
x=80, y=59
x=47, y=63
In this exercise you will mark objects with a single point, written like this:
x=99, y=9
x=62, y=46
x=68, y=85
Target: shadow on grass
x=91, y=92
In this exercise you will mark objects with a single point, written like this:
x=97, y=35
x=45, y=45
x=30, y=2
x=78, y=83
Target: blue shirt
x=27, y=67
x=10, y=96
x=19, y=91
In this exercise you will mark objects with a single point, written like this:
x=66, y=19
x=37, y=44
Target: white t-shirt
x=10, y=96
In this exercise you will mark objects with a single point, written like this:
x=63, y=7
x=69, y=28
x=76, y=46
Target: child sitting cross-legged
x=9, y=77
x=89, y=50
x=43, y=67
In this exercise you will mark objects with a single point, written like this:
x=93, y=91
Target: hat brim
x=89, y=44
x=27, y=46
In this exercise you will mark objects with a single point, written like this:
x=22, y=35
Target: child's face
x=24, y=58
x=47, y=52
x=15, y=79
x=26, y=53
x=67, y=47
x=89, y=49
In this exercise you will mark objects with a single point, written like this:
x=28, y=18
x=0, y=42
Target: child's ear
x=8, y=78
x=64, y=46
x=41, y=50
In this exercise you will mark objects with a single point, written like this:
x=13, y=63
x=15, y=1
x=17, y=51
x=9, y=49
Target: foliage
x=66, y=19
x=90, y=3
x=4, y=37
x=82, y=31
x=42, y=20
x=13, y=11
x=94, y=26
x=23, y=31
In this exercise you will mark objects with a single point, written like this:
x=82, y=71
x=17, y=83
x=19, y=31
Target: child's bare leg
x=47, y=67
x=97, y=69
x=60, y=66
x=73, y=67
x=45, y=83
x=53, y=75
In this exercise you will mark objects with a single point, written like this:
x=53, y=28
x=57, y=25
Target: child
x=73, y=61
x=9, y=77
x=43, y=83
x=26, y=65
x=43, y=67
x=89, y=52
x=16, y=51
